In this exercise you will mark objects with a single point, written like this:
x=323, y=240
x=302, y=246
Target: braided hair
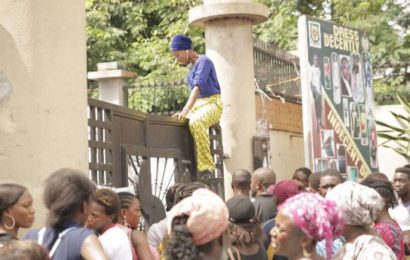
x=170, y=195
x=125, y=199
x=245, y=234
x=109, y=200
x=385, y=190
x=180, y=244
x=186, y=190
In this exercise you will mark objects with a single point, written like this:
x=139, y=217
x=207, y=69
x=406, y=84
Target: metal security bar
x=162, y=97
x=276, y=71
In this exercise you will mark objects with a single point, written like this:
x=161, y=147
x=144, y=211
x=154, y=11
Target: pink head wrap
x=208, y=215
x=317, y=217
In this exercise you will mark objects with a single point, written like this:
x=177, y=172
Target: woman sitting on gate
x=204, y=106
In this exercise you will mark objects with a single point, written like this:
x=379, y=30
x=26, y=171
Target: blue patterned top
x=337, y=244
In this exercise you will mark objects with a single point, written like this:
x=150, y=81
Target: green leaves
x=385, y=21
x=397, y=138
x=137, y=34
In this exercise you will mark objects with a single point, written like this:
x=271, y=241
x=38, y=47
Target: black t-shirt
x=265, y=207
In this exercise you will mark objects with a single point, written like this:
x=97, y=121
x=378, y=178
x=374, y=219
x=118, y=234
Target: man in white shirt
x=316, y=88
x=401, y=213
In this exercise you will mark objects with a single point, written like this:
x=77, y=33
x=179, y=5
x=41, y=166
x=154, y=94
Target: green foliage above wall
x=137, y=33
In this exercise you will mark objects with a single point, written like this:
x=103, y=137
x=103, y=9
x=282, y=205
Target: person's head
x=241, y=182
x=341, y=151
x=104, y=208
x=345, y=65
x=316, y=60
x=261, y=179
x=283, y=190
x=130, y=210
x=67, y=195
x=360, y=205
x=376, y=176
x=244, y=229
x=16, y=207
x=301, y=176
x=170, y=195
x=181, y=45
x=401, y=180
x=186, y=190
x=314, y=182
x=196, y=226
x=328, y=180
x=22, y=250
x=385, y=190
x=303, y=220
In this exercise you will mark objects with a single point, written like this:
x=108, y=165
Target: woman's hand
x=181, y=114
x=189, y=105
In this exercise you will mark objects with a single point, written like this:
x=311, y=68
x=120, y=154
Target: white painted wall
x=43, y=109
x=287, y=153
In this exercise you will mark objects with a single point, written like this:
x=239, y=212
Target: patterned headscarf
x=360, y=204
x=317, y=217
x=208, y=215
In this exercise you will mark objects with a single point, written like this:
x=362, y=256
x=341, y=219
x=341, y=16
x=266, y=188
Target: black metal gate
x=150, y=152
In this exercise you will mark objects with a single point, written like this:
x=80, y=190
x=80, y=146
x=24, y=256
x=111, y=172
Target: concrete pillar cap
x=110, y=70
x=254, y=12
x=111, y=74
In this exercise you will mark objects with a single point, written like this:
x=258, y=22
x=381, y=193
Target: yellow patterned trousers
x=205, y=113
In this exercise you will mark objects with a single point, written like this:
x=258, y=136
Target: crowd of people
x=310, y=216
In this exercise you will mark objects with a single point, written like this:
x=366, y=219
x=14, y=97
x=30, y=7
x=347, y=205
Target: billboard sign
x=337, y=97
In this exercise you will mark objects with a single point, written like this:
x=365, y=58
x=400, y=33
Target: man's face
x=97, y=218
x=401, y=183
x=301, y=179
x=327, y=183
x=346, y=69
x=254, y=185
x=316, y=60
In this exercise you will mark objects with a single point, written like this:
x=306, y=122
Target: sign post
x=337, y=97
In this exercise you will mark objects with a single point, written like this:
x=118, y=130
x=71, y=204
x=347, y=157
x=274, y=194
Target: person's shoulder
x=376, y=248
x=32, y=234
x=116, y=233
x=268, y=224
x=80, y=232
x=117, y=230
x=204, y=59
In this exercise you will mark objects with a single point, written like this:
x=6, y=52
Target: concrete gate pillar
x=112, y=79
x=43, y=93
x=229, y=44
